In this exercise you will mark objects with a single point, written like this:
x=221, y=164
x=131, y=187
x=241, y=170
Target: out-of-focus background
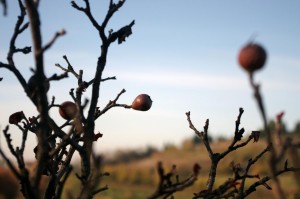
x=184, y=55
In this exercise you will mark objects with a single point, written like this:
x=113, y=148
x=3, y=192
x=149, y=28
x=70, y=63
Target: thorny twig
x=70, y=68
x=83, y=84
x=112, y=104
x=122, y=33
x=54, y=160
x=263, y=181
x=216, y=157
x=250, y=163
x=223, y=190
x=19, y=28
x=90, y=186
x=10, y=164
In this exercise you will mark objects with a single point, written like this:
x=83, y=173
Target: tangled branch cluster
x=53, y=157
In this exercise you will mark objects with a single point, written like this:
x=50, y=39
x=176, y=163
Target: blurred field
x=136, y=178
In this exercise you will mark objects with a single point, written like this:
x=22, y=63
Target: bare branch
x=202, y=135
x=63, y=181
x=166, y=187
x=112, y=9
x=57, y=34
x=62, y=144
x=24, y=138
x=102, y=80
x=100, y=190
x=188, y=114
x=24, y=50
x=250, y=163
x=112, y=104
x=263, y=181
x=9, y=141
x=17, y=31
x=272, y=161
x=42, y=104
x=70, y=68
x=18, y=75
x=87, y=11
x=10, y=165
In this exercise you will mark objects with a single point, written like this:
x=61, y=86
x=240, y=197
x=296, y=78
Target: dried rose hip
x=142, y=102
x=252, y=57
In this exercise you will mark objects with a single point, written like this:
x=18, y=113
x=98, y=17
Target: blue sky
x=182, y=53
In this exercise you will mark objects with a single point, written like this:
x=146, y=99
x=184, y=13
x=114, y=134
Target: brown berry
x=68, y=110
x=142, y=102
x=252, y=57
